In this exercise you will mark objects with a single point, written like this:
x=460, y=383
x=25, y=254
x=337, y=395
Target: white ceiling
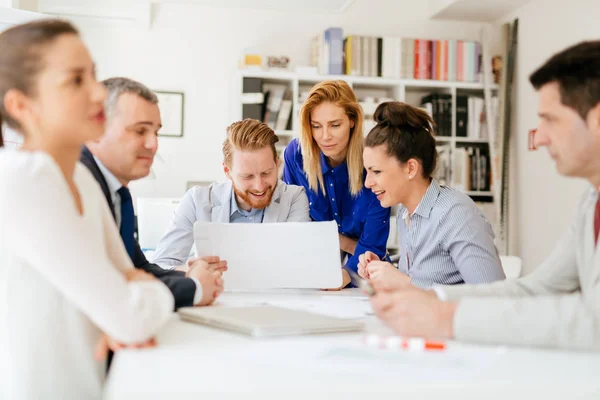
x=474, y=10
x=319, y=6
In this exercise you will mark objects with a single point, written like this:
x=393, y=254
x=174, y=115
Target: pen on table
x=396, y=342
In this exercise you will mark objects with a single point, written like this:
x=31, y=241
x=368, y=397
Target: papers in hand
x=273, y=255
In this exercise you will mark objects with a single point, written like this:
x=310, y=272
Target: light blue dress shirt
x=238, y=215
x=113, y=187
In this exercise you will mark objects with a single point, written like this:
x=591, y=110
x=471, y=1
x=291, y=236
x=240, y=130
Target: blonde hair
x=249, y=134
x=339, y=93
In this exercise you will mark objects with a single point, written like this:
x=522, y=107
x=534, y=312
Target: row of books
x=471, y=168
x=393, y=57
x=271, y=103
x=471, y=114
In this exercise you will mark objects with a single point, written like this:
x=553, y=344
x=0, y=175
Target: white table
x=194, y=361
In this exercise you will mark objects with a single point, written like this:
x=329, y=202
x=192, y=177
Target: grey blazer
x=557, y=305
x=213, y=204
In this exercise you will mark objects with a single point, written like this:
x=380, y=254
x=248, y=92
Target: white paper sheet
x=274, y=255
x=339, y=307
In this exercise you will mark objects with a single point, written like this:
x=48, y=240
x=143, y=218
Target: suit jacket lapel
x=273, y=209
x=87, y=159
x=221, y=203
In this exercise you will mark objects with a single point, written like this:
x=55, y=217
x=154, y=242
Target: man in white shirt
x=125, y=153
x=558, y=304
x=251, y=194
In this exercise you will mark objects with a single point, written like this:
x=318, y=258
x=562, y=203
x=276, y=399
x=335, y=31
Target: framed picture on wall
x=171, y=113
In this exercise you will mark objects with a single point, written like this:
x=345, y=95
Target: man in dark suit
x=125, y=153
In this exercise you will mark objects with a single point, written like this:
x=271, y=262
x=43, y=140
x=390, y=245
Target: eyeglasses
x=531, y=140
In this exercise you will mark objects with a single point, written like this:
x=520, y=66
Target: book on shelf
x=471, y=116
x=327, y=52
x=395, y=57
x=275, y=95
x=439, y=106
x=268, y=102
x=471, y=169
x=285, y=111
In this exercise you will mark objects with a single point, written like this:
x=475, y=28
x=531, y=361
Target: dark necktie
x=597, y=220
x=127, y=220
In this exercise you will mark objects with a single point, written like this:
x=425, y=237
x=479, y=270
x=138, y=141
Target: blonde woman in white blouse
x=65, y=277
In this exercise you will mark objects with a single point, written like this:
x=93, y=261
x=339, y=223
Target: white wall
x=195, y=49
x=542, y=202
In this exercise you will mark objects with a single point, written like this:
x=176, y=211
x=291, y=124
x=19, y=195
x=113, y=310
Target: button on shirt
x=113, y=187
x=238, y=215
x=359, y=217
x=447, y=240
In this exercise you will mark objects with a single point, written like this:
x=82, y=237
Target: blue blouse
x=361, y=217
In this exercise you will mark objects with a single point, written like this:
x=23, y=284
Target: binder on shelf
x=462, y=115
x=334, y=49
x=441, y=111
x=252, y=98
x=275, y=98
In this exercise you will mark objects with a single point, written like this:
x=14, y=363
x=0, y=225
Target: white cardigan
x=62, y=282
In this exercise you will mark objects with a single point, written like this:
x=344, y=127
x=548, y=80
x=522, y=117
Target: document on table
x=273, y=255
x=339, y=307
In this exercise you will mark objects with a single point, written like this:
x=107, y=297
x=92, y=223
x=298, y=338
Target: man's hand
x=415, y=312
x=384, y=276
x=214, y=263
x=347, y=244
x=363, y=261
x=106, y=343
x=137, y=275
x=211, y=281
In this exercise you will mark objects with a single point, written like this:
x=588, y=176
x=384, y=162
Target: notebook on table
x=265, y=321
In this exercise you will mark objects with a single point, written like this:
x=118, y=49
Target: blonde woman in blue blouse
x=327, y=162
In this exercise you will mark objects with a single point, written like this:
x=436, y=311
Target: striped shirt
x=447, y=240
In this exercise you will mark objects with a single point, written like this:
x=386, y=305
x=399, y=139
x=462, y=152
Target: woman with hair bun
x=444, y=237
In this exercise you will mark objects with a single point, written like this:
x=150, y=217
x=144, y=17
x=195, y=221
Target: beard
x=257, y=204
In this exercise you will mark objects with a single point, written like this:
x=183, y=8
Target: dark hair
x=577, y=72
x=407, y=132
x=21, y=52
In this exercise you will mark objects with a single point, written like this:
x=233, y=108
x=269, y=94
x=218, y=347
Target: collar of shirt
x=113, y=183
x=427, y=202
x=341, y=171
x=235, y=208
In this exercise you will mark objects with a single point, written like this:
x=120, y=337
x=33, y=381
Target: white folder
x=273, y=255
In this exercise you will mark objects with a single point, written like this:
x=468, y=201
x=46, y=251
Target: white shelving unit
x=406, y=90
